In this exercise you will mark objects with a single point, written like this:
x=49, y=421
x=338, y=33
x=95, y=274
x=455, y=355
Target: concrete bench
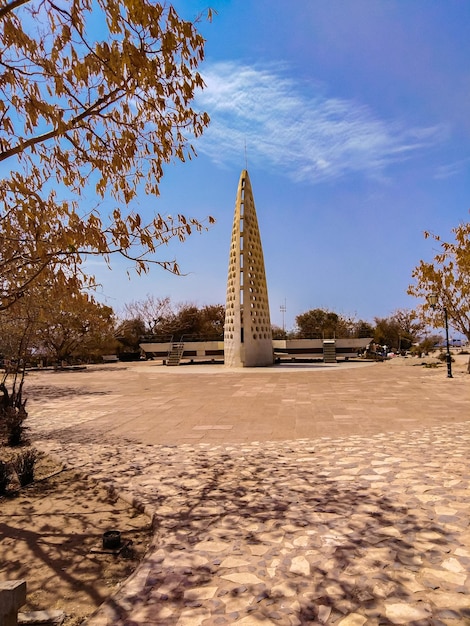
x=12, y=597
x=110, y=358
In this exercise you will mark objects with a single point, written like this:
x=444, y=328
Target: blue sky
x=355, y=117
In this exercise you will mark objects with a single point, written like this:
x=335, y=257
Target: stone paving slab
x=368, y=525
x=172, y=405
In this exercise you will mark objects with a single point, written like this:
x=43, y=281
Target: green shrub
x=12, y=415
x=443, y=357
x=5, y=474
x=24, y=466
x=15, y=429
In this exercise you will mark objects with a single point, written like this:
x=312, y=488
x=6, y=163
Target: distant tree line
x=156, y=319
x=399, y=332
x=55, y=325
x=159, y=320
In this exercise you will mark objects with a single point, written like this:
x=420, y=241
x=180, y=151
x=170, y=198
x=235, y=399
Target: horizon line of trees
x=54, y=324
x=158, y=319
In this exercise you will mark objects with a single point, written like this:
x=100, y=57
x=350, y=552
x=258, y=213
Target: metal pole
x=283, y=309
x=448, y=355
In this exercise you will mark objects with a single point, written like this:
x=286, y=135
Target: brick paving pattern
x=310, y=495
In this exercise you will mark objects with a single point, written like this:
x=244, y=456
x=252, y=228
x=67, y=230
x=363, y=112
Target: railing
x=175, y=352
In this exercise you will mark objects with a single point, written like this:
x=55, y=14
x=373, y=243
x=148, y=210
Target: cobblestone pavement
x=347, y=530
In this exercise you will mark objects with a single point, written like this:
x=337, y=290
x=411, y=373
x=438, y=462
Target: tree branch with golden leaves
x=81, y=115
x=448, y=276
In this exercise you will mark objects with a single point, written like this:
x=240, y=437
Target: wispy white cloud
x=297, y=129
x=452, y=169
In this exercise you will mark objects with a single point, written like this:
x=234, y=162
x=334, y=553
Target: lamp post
x=283, y=309
x=432, y=301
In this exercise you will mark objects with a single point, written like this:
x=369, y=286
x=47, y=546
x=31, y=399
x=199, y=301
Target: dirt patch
x=51, y=535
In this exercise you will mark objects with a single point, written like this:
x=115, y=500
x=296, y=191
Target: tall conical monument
x=247, y=329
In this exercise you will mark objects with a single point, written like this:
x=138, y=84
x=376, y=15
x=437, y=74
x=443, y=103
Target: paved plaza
x=298, y=494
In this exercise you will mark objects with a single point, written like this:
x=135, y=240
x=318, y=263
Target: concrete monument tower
x=247, y=329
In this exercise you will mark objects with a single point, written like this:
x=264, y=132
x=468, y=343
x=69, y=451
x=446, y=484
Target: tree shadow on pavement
x=273, y=540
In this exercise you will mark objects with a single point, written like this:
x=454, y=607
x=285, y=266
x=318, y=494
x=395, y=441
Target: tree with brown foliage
x=447, y=276
x=81, y=111
x=56, y=323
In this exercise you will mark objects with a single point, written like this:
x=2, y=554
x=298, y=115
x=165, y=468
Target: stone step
x=41, y=618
